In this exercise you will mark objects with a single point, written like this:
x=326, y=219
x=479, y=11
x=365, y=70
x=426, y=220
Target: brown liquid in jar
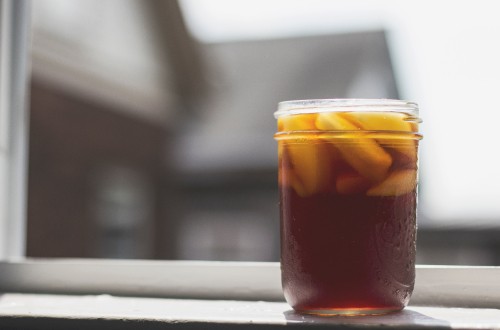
x=348, y=220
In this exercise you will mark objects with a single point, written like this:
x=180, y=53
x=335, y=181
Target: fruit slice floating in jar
x=312, y=167
x=296, y=184
x=301, y=122
x=387, y=121
x=403, y=151
x=349, y=183
x=397, y=183
x=288, y=178
x=400, y=161
x=364, y=155
x=310, y=161
x=286, y=174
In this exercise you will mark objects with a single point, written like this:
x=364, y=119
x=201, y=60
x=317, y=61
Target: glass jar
x=348, y=196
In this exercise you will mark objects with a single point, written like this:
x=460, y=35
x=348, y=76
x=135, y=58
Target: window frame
x=14, y=123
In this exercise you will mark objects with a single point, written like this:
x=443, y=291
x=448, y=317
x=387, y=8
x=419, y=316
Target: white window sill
x=110, y=312
x=450, y=286
x=122, y=293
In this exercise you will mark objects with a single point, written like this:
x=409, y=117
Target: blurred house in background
x=147, y=142
x=104, y=105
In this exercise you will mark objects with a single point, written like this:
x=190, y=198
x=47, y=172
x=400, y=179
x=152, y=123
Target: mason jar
x=348, y=172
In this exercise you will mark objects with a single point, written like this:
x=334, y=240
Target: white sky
x=447, y=59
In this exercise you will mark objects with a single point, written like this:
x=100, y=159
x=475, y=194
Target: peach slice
x=302, y=122
x=397, y=183
x=406, y=148
x=351, y=183
x=297, y=185
x=387, y=121
x=281, y=125
x=312, y=166
x=365, y=155
x=286, y=174
x=288, y=178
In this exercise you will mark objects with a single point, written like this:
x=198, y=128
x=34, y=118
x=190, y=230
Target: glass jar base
x=349, y=311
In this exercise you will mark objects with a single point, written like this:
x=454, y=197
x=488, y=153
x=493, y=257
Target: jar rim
x=341, y=105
